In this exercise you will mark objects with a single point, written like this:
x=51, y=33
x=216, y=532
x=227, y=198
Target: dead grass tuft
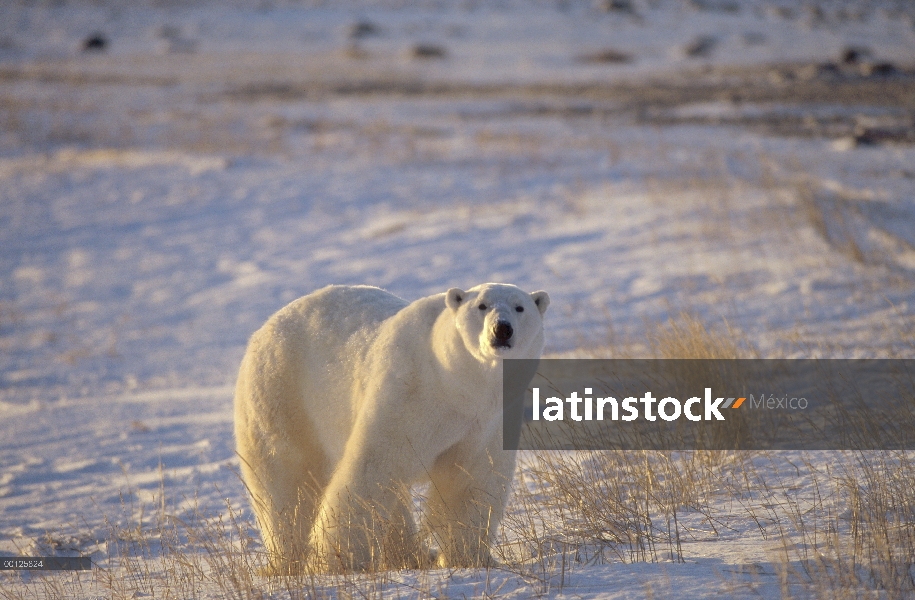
x=687, y=337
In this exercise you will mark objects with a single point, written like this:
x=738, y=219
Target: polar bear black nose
x=503, y=331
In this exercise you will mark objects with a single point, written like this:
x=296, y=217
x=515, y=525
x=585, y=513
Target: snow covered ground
x=161, y=196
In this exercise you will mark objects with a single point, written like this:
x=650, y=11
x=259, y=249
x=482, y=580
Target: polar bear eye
x=482, y=307
x=519, y=309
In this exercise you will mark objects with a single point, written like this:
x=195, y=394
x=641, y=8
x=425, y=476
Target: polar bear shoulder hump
x=340, y=309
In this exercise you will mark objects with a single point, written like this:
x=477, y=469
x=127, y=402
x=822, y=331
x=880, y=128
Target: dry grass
x=687, y=337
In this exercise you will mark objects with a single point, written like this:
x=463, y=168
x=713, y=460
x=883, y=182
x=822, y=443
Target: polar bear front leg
x=466, y=502
x=364, y=523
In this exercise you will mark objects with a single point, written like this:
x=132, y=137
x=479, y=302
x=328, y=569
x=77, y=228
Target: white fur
x=347, y=396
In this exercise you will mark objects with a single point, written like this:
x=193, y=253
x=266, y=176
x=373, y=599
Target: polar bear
x=349, y=395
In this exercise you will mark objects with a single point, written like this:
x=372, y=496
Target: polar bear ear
x=541, y=299
x=454, y=297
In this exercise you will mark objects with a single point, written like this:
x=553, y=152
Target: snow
x=160, y=199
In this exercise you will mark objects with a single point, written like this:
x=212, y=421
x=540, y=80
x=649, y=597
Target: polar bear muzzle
x=502, y=334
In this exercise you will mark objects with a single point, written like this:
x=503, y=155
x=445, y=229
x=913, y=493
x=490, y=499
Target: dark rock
x=875, y=136
x=428, y=51
x=783, y=12
x=97, y=42
x=828, y=70
x=608, y=56
x=623, y=6
x=883, y=69
x=724, y=6
x=852, y=55
x=866, y=138
x=362, y=29
x=700, y=47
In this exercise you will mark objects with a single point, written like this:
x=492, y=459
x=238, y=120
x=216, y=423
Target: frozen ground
x=161, y=197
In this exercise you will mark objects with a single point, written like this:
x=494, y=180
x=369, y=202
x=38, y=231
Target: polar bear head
x=497, y=320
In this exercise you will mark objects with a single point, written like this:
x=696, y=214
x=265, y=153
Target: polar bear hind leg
x=284, y=471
